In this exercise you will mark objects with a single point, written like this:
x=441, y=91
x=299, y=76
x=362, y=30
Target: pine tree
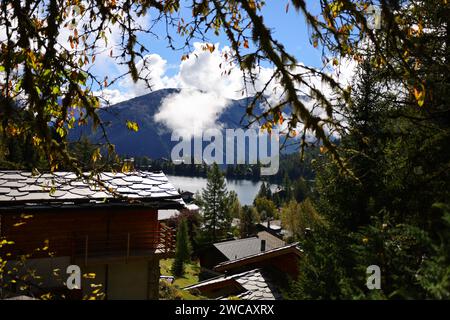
x=394, y=216
x=287, y=187
x=215, y=200
x=248, y=218
x=262, y=193
x=183, y=249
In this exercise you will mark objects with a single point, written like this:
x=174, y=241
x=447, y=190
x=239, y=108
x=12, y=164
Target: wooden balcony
x=124, y=246
x=90, y=248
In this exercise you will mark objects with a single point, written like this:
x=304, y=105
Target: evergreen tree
x=249, y=217
x=262, y=193
x=215, y=200
x=394, y=214
x=287, y=187
x=183, y=249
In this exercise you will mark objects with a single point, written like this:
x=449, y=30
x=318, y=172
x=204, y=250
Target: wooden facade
x=86, y=233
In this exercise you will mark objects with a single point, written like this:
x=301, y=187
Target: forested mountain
x=153, y=138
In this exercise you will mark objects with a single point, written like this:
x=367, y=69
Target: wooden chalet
x=259, y=276
x=106, y=224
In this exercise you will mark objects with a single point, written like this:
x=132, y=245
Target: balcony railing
x=125, y=245
x=122, y=245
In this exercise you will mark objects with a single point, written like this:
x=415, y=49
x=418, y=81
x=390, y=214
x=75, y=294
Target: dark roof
x=237, y=249
x=20, y=189
x=256, y=285
x=259, y=256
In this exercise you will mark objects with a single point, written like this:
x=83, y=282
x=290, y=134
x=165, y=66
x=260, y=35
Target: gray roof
x=241, y=248
x=20, y=188
x=256, y=283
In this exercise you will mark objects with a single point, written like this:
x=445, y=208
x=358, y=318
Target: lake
x=245, y=189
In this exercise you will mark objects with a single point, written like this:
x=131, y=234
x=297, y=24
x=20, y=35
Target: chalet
x=254, y=284
x=274, y=227
x=106, y=224
x=260, y=276
x=187, y=196
x=233, y=250
x=282, y=259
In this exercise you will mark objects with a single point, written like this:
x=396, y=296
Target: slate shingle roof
x=256, y=284
x=259, y=286
x=20, y=188
x=241, y=248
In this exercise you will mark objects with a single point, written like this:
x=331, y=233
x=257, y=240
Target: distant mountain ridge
x=153, y=138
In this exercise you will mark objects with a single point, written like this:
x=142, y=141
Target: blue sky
x=206, y=90
x=289, y=28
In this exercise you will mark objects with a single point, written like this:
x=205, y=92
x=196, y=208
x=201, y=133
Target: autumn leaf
x=131, y=125
x=96, y=155
x=419, y=94
x=18, y=224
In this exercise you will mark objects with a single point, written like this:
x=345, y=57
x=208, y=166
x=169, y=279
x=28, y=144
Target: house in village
x=254, y=268
x=256, y=276
x=108, y=226
x=230, y=250
x=274, y=227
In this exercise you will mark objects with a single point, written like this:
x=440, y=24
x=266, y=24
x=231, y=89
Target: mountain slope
x=153, y=138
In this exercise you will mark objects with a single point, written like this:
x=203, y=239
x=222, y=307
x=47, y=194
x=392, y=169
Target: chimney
x=268, y=224
x=263, y=245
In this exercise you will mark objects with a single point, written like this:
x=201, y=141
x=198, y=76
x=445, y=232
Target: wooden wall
x=62, y=226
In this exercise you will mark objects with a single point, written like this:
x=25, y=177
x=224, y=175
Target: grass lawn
x=190, y=276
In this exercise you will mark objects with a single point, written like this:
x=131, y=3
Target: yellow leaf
x=96, y=155
x=131, y=125
x=18, y=224
x=419, y=94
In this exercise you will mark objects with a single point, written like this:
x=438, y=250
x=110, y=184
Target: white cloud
x=191, y=110
x=207, y=81
x=113, y=96
x=152, y=68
